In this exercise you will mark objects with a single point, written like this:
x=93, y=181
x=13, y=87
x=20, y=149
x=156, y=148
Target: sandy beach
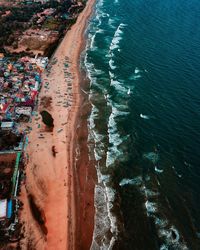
x=49, y=195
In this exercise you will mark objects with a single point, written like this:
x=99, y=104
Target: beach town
x=20, y=83
x=39, y=100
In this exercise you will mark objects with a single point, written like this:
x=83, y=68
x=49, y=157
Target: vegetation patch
x=47, y=119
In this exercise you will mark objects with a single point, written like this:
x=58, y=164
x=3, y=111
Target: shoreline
x=51, y=180
x=86, y=175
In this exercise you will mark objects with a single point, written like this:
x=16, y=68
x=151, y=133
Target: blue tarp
x=37, y=78
x=9, y=209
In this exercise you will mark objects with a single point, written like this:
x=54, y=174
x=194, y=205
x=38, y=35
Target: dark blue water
x=143, y=62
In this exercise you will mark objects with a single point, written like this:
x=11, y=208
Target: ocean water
x=142, y=58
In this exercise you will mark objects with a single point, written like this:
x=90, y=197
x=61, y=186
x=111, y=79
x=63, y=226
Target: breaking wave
x=167, y=232
x=144, y=116
x=104, y=146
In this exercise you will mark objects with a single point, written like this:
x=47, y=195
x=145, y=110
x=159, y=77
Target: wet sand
x=50, y=193
x=85, y=181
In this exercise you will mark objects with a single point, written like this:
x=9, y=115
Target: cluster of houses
x=20, y=82
x=44, y=14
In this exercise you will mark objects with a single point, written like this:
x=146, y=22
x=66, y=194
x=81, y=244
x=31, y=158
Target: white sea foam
x=135, y=181
x=129, y=91
x=166, y=233
x=106, y=227
x=164, y=247
x=151, y=156
x=105, y=14
x=172, y=238
x=176, y=173
x=115, y=44
x=118, y=86
x=137, y=74
x=120, y=106
x=151, y=207
x=135, y=77
x=116, y=38
x=105, y=235
x=92, y=42
x=161, y=222
x=147, y=178
x=94, y=113
x=100, y=31
x=111, y=64
x=102, y=178
x=150, y=194
x=120, y=113
x=99, y=72
x=111, y=23
x=89, y=68
x=117, y=110
x=158, y=170
x=111, y=156
x=137, y=70
x=144, y=116
x=114, y=139
x=100, y=3
x=110, y=201
x=187, y=164
x=111, y=74
x=176, y=236
x=97, y=155
x=169, y=235
x=98, y=15
x=93, y=73
x=158, y=182
x=94, y=136
x=123, y=24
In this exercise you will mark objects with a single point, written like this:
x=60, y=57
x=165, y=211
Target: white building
x=7, y=125
x=23, y=111
x=3, y=208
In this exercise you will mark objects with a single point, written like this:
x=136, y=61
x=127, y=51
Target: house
x=4, y=107
x=7, y=125
x=23, y=110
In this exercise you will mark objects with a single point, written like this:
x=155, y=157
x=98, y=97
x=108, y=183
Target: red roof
x=5, y=106
x=34, y=94
x=19, y=95
x=26, y=103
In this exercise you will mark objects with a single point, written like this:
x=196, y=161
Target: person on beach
x=53, y=149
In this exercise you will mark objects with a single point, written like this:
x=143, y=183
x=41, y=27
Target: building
x=3, y=209
x=1, y=56
x=23, y=111
x=7, y=125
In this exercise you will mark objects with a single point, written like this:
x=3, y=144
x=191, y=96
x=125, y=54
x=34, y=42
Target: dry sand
x=50, y=221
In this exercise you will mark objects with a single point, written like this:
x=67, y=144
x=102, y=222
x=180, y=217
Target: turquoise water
x=142, y=59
